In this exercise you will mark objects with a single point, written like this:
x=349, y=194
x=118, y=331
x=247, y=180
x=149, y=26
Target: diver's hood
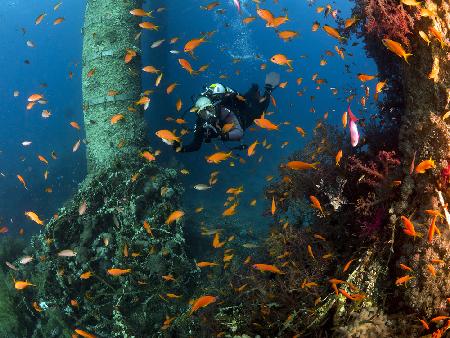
x=205, y=109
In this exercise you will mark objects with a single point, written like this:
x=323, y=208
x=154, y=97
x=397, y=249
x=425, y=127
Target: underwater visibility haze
x=232, y=168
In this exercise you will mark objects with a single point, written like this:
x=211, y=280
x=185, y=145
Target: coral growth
x=389, y=19
x=111, y=234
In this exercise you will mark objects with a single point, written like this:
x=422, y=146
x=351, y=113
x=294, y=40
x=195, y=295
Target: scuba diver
x=223, y=113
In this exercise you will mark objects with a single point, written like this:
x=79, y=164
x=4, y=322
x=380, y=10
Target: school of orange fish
x=272, y=23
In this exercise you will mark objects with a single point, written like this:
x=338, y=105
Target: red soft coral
x=389, y=19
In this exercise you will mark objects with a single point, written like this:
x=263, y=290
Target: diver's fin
x=272, y=79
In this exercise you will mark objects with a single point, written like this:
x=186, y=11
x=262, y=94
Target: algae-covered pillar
x=110, y=86
x=117, y=218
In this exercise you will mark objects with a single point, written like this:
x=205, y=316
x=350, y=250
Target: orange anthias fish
x=34, y=217
x=218, y=157
x=299, y=165
x=129, y=55
x=190, y=46
x=332, y=32
x=148, y=25
x=187, y=66
x=118, y=272
x=202, y=302
x=281, y=59
x=403, y=280
x=140, y=12
x=206, y=264
x=86, y=275
x=116, y=118
x=230, y=211
x=265, y=14
x=338, y=157
x=210, y=6
x=20, y=178
x=167, y=136
x=265, y=124
x=409, y=227
x=424, y=166
x=148, y=156
x=216, y=241
x=396, y=48
x=287, y=35
x=84, y=334
x=365, y=77
x=20, y=285
x=277, y=21
x=316, y=203
x=267, y=267
x=174, y=216
x=251, y=149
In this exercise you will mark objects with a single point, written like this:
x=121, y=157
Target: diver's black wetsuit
x=230, y=109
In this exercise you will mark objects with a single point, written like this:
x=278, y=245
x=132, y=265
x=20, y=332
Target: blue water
x=58, y=51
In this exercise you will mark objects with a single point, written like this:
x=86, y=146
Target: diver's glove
x=225, y=136
x=177, y=146
x=268, y=88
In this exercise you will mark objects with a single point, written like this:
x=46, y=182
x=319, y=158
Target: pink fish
x=238, y=5
x=354, y=135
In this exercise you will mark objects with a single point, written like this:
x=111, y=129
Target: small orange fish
x=129, y=55
x=267, y=267
x=171, y=87
x=34, y=217
x=301, y=131
x=230, y=211
x=332, y=32
x=248, y=19
x=287, y=35
x=202, y=302
x=364, y=77
x=39, y=19
x=281, y=59
x=206, y=264
x=216, y=241
x=175, y=215
x=338, y=157
x=218, y=157
x=20, y=178
x=58, y=21
x=347, y=265
x=310, y=251
x=350, y=22
x=20, y=285
x=151, y=69
x=86, y=275
x=265, y=124
x=424, y=324
x=118, y=272
x=191, y=45
x=75, y=125
x=148, y=156
x=140, y=12
x=273, y=208
x=84, y=334
x=251, y=149
x=35, y=98
x=187, y=66
x=424, y=166
x=210, y=6
x=167, y=136
x=299, y=165
x=403, y=280
x=316, y=203
x=116, y=118
x=148, y=228
x=396, y=48
x=405, y=267
x=148, y=25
